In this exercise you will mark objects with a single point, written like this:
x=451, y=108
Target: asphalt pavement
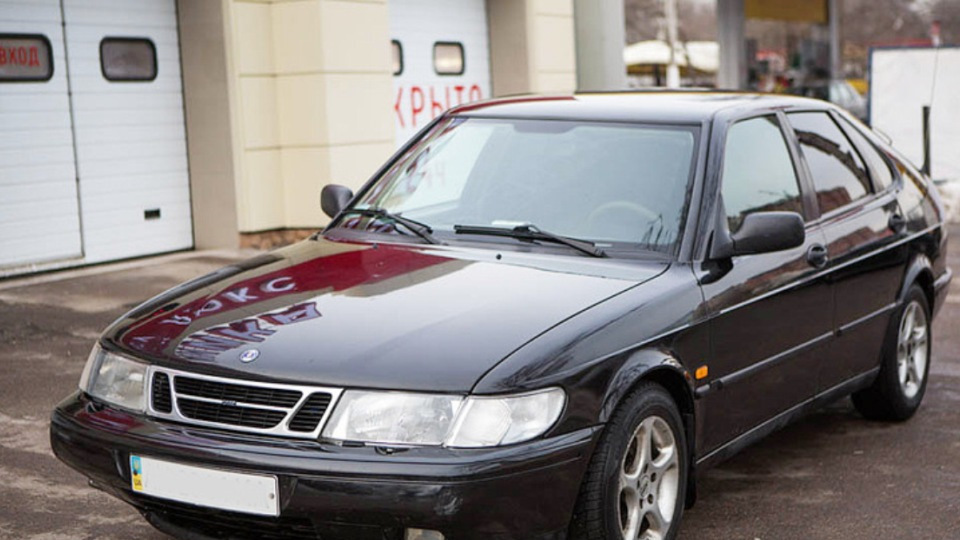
x=829, y=475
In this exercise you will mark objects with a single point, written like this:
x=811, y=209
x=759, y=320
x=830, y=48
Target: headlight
x=492, y=421
x=114, y=379
x=393, y=417
x=433, y=420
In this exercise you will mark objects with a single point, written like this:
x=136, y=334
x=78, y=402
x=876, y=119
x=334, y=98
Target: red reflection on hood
x=155, y=333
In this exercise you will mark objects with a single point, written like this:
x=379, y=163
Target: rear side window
x=839, y=174
x=25, y=58
x=883, y=176
x=128, y=59
x=758, y=173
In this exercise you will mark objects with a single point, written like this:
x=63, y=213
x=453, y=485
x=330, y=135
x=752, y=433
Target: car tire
x=905, y=363
x=628, y=493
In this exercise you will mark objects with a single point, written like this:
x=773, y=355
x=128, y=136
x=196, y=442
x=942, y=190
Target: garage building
x=136, y=127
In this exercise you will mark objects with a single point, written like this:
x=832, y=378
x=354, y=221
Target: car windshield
x=615, y=185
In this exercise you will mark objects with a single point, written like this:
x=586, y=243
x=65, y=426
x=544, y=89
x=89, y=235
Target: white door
x=124, y=62
x=441, y=59
x=39, y=217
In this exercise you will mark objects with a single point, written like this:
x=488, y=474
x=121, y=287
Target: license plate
x=213, y=488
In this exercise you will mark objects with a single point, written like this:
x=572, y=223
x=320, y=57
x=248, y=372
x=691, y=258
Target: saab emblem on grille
x=249, y=355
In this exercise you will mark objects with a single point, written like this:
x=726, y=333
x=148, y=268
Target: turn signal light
x=702, y=372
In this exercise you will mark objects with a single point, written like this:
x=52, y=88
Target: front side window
x=25, y=58
x=128, y=59
x=758, y=173
x=609, y=183
x=839, y=174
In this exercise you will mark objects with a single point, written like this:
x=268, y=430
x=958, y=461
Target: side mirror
x=333, y=199
x=762, y=232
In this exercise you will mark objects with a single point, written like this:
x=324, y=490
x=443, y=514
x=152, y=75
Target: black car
x=540, y=319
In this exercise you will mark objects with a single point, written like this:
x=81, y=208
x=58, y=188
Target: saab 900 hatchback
x=540, y=319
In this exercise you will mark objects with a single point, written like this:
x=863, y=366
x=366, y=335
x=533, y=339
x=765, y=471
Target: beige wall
x=209, y=145
x=312, y=87
x=284, y=96
x=532, y=47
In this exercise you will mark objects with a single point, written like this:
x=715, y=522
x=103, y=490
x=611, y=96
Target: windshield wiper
x=532, y=232
x=420, y=229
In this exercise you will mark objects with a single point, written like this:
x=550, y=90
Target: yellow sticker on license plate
x=136, y=472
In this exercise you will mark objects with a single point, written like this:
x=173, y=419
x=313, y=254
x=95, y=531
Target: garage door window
x=128, y=59
x=397, y=51
x=448, y=58
x=25, y=58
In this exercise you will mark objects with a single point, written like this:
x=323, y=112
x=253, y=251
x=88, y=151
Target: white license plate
x=213, y=488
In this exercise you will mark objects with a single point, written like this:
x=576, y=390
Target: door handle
x=817, y=256
x=897, y=223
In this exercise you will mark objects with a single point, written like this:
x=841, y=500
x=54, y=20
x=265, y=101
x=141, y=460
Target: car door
x=770, y=313
x=861, y=221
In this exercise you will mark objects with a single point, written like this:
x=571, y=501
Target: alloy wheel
x=649, y=481
x=912, y=349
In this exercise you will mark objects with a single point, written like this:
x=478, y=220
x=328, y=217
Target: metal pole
x=833, y=20
x=600, y=28
x=926, y=140
x=673, y=70
x=733, y=53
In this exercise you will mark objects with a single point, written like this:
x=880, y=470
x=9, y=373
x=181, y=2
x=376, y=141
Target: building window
x=25, y=58
x=128, y=59
x=448, y=58
x=397, y=57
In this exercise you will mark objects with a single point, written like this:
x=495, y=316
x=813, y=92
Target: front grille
x=160, y=393
x=255, y=395
x=266, y=408
x=225, y=413
x=311, y=412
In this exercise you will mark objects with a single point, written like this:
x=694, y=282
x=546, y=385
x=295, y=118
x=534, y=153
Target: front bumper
x=526, y=491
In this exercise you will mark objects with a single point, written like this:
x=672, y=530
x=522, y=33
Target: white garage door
x=39, y=217
x=441, y=58
x=124, y=64
x=93, y=162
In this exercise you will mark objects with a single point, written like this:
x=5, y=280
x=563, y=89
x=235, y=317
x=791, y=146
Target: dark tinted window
x=878, y=165
x=128, y=59
x=25, y=57
x=758, y=174
x=838, y=172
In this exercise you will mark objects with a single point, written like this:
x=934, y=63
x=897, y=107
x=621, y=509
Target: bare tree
x=947, y=12
x=643, y=19
x=697, y=20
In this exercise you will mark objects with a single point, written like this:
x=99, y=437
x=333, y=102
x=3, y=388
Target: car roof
x=656, y=106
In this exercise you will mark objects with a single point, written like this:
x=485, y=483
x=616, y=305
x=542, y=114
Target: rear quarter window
x=879, y=166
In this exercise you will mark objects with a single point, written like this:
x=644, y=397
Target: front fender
x=649, y=364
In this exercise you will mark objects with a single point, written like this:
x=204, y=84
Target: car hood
x=368, y=315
